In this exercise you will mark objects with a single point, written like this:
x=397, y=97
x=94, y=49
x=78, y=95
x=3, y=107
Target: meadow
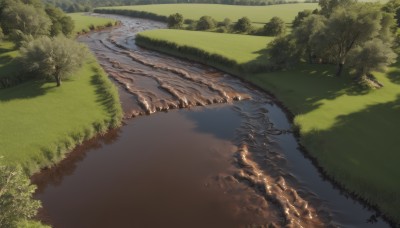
x=353, y=134
x=257, y=14
x=40, y=123
x=83, y=22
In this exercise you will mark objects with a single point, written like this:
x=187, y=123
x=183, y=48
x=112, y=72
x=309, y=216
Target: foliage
x=206, y=23
x=61, y=23
x=283, y=52
x=27, y=20
x=328, y=6
x=393, y=6
x=243, y=25
x=54, y=57
x=175, y=20
x=275, y=27
x=1, y=34
x=16, y=201
x=300, y=17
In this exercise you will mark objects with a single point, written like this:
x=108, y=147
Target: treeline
x=87, y=5
x=359, y=38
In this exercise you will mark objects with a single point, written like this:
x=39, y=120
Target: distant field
x=353, y=134
x=83, y=21
x=257, y=14
x=241, y=48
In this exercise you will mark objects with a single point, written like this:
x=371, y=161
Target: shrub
x=206, y=23
x=175, y=21
x=275, y=27
x=243, y=25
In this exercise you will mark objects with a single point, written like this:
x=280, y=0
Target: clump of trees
x=206, y=23
x=275, y=27
x=354, y=36
x=175, y=21
x=243, y=25
x=16, y=202
x=55, y=57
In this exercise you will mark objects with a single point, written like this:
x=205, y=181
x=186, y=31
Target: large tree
x=25, y=19
x=16, y=201
x=54, y=57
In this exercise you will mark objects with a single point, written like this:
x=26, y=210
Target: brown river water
x=215, y=152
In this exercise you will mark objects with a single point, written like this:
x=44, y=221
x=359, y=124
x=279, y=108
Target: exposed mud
x=227, y=165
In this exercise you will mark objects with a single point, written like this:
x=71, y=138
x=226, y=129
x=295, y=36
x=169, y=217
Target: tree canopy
x=55, y=57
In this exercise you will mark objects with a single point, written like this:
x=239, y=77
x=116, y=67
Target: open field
x=40, y=122
x=257, y=14
x=83, y=21
x=224, y=44
x=352, y=134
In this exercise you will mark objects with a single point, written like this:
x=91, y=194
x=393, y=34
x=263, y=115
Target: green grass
x=7, y=54
x=39, y=122
x=83, y=21
x=224, y=44
x=353, y=134
x=257, y=14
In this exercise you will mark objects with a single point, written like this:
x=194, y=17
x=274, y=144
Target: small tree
x=175, y=20
x=242, y=25
x=16, y=201
x=283, y=52
x=206, y=23
x=53, y=57
x=275, y=27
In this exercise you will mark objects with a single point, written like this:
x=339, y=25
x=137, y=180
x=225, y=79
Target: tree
x=307, y=34
x=175, y=20
x=53, y=57
x=242, y=25
x=283, y=52
x=16, y=201
x=373, y=55
x=300, y=17
x=26, y=19
x=61, y=23
x=275, y=27
x=393, y=6
x=349, y=27
x=328, y=6
x=206, y=23
x=1, y=34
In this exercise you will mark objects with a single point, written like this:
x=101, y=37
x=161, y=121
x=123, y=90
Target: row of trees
x=274, y=27
x=355, y=36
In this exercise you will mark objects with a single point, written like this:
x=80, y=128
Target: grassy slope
x=39, y=122
x=258, y=14
x=227, y=45
x=83, y=21
x=353, y=135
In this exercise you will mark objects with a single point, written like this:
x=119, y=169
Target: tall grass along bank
x=352, y=134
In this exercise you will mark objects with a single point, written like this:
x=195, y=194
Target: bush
x=275, y=27
x=243, y=25
x=92, y=27
x=206, y=23
x=175, y=21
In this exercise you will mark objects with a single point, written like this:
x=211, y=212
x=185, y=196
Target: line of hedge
x=199, y=55
x=133, y=13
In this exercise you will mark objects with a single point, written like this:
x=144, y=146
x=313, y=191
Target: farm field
x=257, y=14
x=352, y=134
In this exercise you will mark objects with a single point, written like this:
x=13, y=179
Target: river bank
x=313, y=117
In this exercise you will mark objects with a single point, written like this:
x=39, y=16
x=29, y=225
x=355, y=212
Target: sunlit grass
x=83, y=21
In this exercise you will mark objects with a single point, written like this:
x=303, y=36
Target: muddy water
x=225, y=157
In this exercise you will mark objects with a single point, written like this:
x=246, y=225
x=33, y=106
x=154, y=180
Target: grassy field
x=7, y=55
x=224, y=44
x=82, y=21
x=257, y=14
x=352, y=134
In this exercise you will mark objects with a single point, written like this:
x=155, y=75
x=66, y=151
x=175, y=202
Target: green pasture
x=40, y=122
x=257, y=14
x=353, y=134
x=224, y=44
x=83, y=21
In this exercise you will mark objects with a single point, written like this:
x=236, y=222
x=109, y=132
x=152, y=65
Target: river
x=199, y=148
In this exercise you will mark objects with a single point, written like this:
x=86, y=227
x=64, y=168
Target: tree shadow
x=27, y=90
x=361, y=151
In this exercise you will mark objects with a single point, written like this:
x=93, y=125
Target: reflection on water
x=219, y=165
